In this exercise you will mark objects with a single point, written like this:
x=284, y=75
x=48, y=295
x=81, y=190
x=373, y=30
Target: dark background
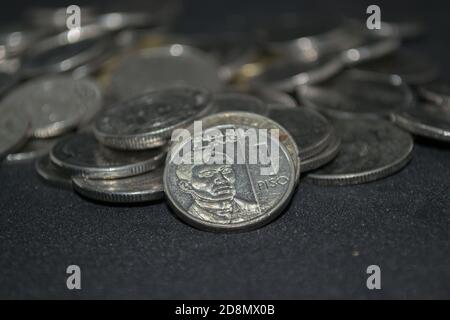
x=319, y=248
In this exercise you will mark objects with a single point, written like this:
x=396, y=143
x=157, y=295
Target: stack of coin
x=108, y=109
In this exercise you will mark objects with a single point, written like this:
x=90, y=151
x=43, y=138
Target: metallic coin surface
x=226, y=196
x=162, y=67
x=223, y=102
x=272, y=96
x=148, y=120
x=7, y=81
x=355, y=93
x=310, y=130
x=55, y=104
x=411, y=67
x=53, y=174
x=14, y=129
x=425, y=119
x=370, y=150
x=83, y=155
x=286, y=74
x=251, y=120
x=33, y=148
x=140, y=188
x=324, y=157
x=436, y=91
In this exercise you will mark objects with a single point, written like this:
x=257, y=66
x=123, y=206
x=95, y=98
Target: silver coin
x=83, y=155
x=148, y=120
x=272, y=96
x=162, y=67
x=354, y=93
x=14, y=128
x=33, y=148
x=436, y=91
x=251, y=120
x=226, y=197
x=370, y=150
x=311, y=131
x=55, y=104
x=55, y=18
x=411, y=67
x=223, y=102
x=15, y=40
x=324, y=157
x=286, y=74
x=7, y=81
x=53, y=174
x=397, y=29
x=425, y=119
x=65, y=51
x=141, y=188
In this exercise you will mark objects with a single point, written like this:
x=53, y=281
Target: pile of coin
x=106, y=108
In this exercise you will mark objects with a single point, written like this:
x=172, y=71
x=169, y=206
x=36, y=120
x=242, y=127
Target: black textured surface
x=319, y=248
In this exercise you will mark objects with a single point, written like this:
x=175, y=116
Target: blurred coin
x=286, y=74
x=272, y=96
x=238, y=102
x=15, y=39
x=55, y=104
x=141, y=188
x=53, y=174
x=7, y=81
x=83, y=155
x=437, y=91
x=370, y=150
x=412, y=68
x=354, y=93
x=310, y=130
x=14, y=128
x=425, y=119
x=219, y=196
x=324, y=157
x=65, y=51
x=147, y=121
x=163, y=67
x=395, y=28
x=33, y=148
x=55, y=18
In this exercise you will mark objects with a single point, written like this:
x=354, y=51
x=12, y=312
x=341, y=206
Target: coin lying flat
x=357, y=93
x=13, y=131
x=219, y=196
x=370, y=150
x=250, y=120
x=53, y=174
x=83, y=155
x=425, y=119
x=436, y=91
x=322, y=158
x=33, y=148
x=147, y=121
x=411, y=67
x=55, y=104
x=162, y=67
x=140, y=188
x=286, y=74
x=310, y=130
x=272, y=96
x=238, y=102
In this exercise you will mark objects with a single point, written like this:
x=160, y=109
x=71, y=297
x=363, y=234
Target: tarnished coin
x=288, y=74
x=310, y=130
x=14, y=128
x=55, y=104
x=370, y=150
x=53, y=174
x=33, y=148
x=355, y=93
x=83, y=155
x=411, y=67
x=238, y=102
x=425, y=119
x=324, y=157
x=147, y=121
x=436, y=91
x=251, y=120
x=141, y=188
x=162, y=67
x=224, y=194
